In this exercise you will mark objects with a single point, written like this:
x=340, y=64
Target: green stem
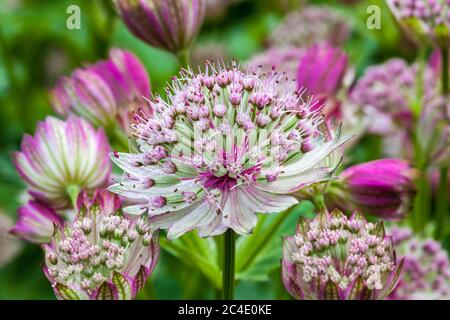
x=229, y=257
x=444, y=70
x=73, y=191
x=185, y=58
x=442, y=193
x=319, y=202
x=423, y=202
x=442, y=204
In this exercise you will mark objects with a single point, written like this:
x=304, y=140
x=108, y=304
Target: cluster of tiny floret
x=207, y=124
x=426, y=271
x=88, y=252
x=434, y=12
x=341, y=250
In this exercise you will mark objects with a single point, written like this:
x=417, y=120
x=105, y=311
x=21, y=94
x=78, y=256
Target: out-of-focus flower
x=387, y=91
x=102, y=254
x=105, y=93
x=284, y=61
x=384, y=188
x=336, y=258
x=423, y=20
x=388, y=95
x=61, y=157
x=426, y=270
x=171, y=25
x=321, y=72
x=224, y=146
x=9, y=245
x=36, y=223
x=309, y=26
x=434, y=128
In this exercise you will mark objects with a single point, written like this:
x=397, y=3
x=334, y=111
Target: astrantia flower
x=336, y=258
x=388, y=91
x=36, y=222
x=63, y=156
x=102, y=254
x=387, y=94
x=105, y=93
x=311, y=25
x=224, y=146
x=321, y=72
x=424, y=20
x=426, y=271
x=285, y=61
x=171, y=25
x=384, y=188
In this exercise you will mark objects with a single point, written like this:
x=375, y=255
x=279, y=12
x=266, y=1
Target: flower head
x=424, y=20
x=63, y=155
x=387, y=96
x=225, y=145
x=36, y=223
x=336, y=258
x=311, y=25
x=102, y=254
x=321, y=72
x=285, y=61
x=105, y=93
x=171, y=25
x=384, y=188
x=426, y=270
x=388, y=90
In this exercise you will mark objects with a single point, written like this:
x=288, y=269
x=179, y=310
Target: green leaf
x=260, y=253
x=197, y=253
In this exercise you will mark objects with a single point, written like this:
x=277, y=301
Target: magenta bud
x=384, y=188
x=171, y=25
x=36, y=223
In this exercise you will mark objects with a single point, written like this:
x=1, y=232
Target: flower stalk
x=229, y=262
x=185, y=58
x=442, y=194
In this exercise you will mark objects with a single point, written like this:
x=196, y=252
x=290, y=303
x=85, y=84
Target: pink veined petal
x=237, y=213
x=200, y=216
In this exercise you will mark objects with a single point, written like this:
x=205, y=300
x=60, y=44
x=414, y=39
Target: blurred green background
x=36, y=48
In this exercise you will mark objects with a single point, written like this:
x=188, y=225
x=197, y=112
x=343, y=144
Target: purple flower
x=384, y=188
x=426, y=271
x=384, y=93
x=321, y=72
x=424, y=20
x=285, y=61
x=231, y=140
x=105, y=93
x=171, y=25
x=63, y=156
x=311, y=25
x=102, y=254
x=336, y=258
x=36, y=223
